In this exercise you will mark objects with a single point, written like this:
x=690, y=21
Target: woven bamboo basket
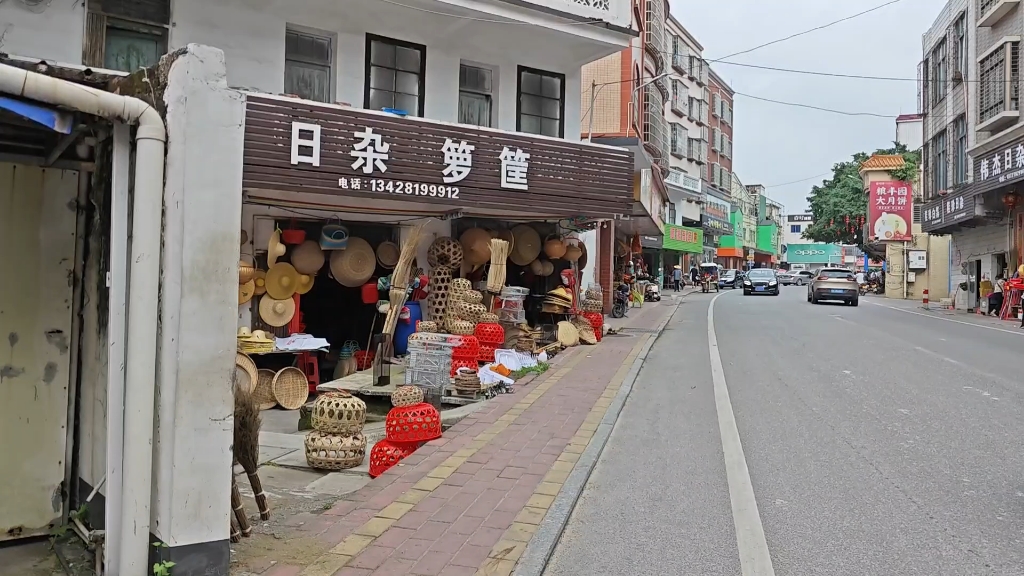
x=568, y=335
x=338, y=413
x=472, y=296
x=245, y=373
x=488, y=318
x=426, y=326
x=444, y=252
x=461, y=327
x=263, y=396
x=406, y=396
x=472, y=312
x=461, y=285
x=467, y=381
x=593, y=294
x=592, y=305
x=437, y=299
x=524, y=344
x=291, y=389
x=333, y=451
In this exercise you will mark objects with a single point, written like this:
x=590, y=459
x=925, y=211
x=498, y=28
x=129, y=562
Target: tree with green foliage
x=840, y=204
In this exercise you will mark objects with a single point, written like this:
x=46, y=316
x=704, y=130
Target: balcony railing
x=655, y=126
x=655, y=33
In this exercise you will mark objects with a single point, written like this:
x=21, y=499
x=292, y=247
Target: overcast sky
x=776, y=144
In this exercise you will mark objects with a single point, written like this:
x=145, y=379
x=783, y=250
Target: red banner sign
x=682, y=235
x=890, y=211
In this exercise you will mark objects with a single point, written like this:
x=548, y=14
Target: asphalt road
x=876, y=441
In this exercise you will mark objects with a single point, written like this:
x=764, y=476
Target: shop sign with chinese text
x=890, y=211
x=814, y=253
x=683, y=239
x=1004, y=165
x=301, y=146
x=948, y=210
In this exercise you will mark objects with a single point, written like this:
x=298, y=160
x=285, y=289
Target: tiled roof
x=883, y=162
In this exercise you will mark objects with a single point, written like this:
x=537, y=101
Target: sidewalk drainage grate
x=639, y=330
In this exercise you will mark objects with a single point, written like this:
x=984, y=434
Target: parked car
x=834, y=284
x=761, y=281
x=802, y=277
x=729, y=279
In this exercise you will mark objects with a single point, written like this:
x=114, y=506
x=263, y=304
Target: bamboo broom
x=496, y=275
x=236, y=505
x=236, y=534
x=400, y=281
x=247, y=446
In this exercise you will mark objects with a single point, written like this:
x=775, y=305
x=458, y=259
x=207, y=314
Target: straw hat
x=246, y=271
x=476, y=246
x=305, y=283
x=548, y=268
x=246, y=291
x=282, y=281
x=276, y=313
x=244, y=332
x=308, y=258
x=526, y=245
x=275, y=249
x=354, y=265
x=388, y=254
x=506, y=235
x=537, y=267
x=260, y=280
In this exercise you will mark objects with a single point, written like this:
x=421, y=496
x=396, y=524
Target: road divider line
x=997, y=329
x=755, y=560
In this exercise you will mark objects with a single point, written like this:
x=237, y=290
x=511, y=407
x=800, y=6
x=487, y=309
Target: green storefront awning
x=683, y=239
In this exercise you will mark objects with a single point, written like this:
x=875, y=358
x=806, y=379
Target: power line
x=587, y=22
x=798, y=181
x=815, y=29
x=812, y=107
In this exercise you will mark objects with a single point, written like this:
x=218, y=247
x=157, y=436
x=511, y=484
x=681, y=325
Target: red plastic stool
x=310, y=366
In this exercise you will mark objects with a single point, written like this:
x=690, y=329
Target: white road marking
x=755, y=560
x=1018, y=333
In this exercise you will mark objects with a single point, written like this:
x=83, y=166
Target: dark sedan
x=761, y=281
x=729, y=279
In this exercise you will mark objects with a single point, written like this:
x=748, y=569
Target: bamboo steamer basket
x=291, y=388
x=406, y=396
x=338, y=413
x=263, y=395
x=326, y=451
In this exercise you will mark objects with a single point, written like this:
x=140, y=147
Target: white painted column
x=198, y=312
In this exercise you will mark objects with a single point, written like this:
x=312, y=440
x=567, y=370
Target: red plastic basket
x=596, y=319
x=469, y=349
x=490, y=333
x=486, y=353
x=386, y=454
x=293, y=236
x=463, y=363
x=415, y=423
x=364, y=358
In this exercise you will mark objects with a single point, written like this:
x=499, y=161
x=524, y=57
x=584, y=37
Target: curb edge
x=542, y=546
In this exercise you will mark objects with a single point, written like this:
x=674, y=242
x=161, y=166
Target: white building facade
x=499, y=66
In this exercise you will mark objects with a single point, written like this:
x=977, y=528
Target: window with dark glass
x=960, y=151
x=939, y=162
x=475, y=90
x=395, y=74
x=541, y=106
x=307, y=65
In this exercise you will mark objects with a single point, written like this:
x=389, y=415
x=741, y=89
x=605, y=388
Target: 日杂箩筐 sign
x=948, y=210
x=890, y=211
x=300, y=146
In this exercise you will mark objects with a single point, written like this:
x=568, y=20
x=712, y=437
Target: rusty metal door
x=37, y=261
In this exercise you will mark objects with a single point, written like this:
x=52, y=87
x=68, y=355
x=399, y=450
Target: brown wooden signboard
x=300, y=146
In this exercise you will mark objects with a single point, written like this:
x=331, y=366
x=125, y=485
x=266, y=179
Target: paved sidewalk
x=469, y=503
x=934, y=309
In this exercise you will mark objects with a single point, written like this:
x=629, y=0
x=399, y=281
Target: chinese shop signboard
x=890, y=211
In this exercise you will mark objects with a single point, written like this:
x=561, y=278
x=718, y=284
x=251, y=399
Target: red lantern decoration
x=846, y=219
x=1010, y=199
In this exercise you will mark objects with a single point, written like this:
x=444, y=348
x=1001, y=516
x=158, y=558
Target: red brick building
x=719, y=166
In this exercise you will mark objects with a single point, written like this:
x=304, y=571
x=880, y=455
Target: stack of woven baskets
x=596, y=321
x=444, y=255
x=467, y=382
x=593, y=301
x=336, y=441
x=408, y=425
x=464, y=308
x=491, y=336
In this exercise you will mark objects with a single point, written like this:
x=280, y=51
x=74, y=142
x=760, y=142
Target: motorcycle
x=620, y=301
x=652, y=293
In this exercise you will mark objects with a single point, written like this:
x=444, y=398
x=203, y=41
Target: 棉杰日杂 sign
x=299, y=146
x=890, y=211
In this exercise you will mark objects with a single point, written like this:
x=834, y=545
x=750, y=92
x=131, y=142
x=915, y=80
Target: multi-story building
x=796, y=225
x=720, y=124
x=463, y=103
x=733, y=248
x=768, y=240
x=974, y=139
x=624, y=98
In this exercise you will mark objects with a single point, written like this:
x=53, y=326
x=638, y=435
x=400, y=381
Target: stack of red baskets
x=465, y=354
x=491, y=336
x=406, y=428
x=596, y=320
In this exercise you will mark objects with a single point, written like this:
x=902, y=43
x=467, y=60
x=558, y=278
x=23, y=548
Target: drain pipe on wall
x=140, y=352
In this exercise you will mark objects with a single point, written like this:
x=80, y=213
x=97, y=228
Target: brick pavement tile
x=413, y=520
x=395, y=537
x=413, y=549
x=487, y=537
x=432, y=563
x=471, y=556
x=449, y=543
x=351, y=571
x=431, y=504
x=284, y=570
x=500, y=519
x=372, y=557
x=466, y=525
x=513, y=472
x=458, y=479
x=476, y=486
x=448, y=513
x=394, y=567
x=341, y=508
x=335, y=534
x=453, y=570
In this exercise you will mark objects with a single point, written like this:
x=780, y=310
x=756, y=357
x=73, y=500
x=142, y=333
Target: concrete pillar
x=198, y=304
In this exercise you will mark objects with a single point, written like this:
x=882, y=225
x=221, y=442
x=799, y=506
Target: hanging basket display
x=406, y=396
x=338, y=413
x=386, y=454
x=326, y=451
x=416, y=423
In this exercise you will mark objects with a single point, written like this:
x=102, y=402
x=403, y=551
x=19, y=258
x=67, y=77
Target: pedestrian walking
x=694, y=274
x=677, y=276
